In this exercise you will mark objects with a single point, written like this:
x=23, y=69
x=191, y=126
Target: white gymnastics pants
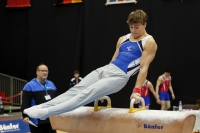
x=100, y=82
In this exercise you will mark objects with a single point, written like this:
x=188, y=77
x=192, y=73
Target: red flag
x=18, y=3
x=67, y=1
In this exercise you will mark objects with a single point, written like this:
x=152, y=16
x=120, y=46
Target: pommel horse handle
x=132, y=110
x=96, y=107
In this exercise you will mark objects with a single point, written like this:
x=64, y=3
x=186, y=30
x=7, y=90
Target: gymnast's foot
x=36, y=113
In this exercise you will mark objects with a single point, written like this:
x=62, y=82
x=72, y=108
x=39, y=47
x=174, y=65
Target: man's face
x=137, y=29
x=42, y=72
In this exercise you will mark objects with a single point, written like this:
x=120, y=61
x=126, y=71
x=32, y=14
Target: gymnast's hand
x=102, y=100
x=158, y=101
x=25, y=120
x=136, y=97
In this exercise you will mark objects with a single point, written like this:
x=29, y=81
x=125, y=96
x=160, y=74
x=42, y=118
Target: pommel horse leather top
x=119, y=120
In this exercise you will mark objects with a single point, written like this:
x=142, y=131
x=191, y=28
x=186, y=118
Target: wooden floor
x=57, y=132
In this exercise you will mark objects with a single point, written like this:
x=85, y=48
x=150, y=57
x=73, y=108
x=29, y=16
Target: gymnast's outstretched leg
x=113, y=79
x=91, y=78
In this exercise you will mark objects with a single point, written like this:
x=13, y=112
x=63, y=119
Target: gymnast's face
x=167, y=74
x=137, y=29
x=76, y=75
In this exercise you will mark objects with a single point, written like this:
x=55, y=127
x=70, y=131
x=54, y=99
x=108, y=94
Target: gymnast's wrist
x=137, y=91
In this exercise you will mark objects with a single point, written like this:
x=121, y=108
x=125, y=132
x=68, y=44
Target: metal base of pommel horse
x=121, y=120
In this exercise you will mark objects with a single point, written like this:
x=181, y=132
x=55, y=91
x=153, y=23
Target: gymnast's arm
x=148, y=55
x=117, y=49
x=171, y=90
x=115, y=54
x=151, y=88
x=159, y=81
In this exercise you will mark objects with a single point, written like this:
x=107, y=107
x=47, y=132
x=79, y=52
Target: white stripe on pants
x=100, y=82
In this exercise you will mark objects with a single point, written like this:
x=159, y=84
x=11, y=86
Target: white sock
x=36, y=113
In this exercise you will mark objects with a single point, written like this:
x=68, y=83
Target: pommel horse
x=120, y=120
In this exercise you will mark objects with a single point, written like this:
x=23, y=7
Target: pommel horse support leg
x=119, y=120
